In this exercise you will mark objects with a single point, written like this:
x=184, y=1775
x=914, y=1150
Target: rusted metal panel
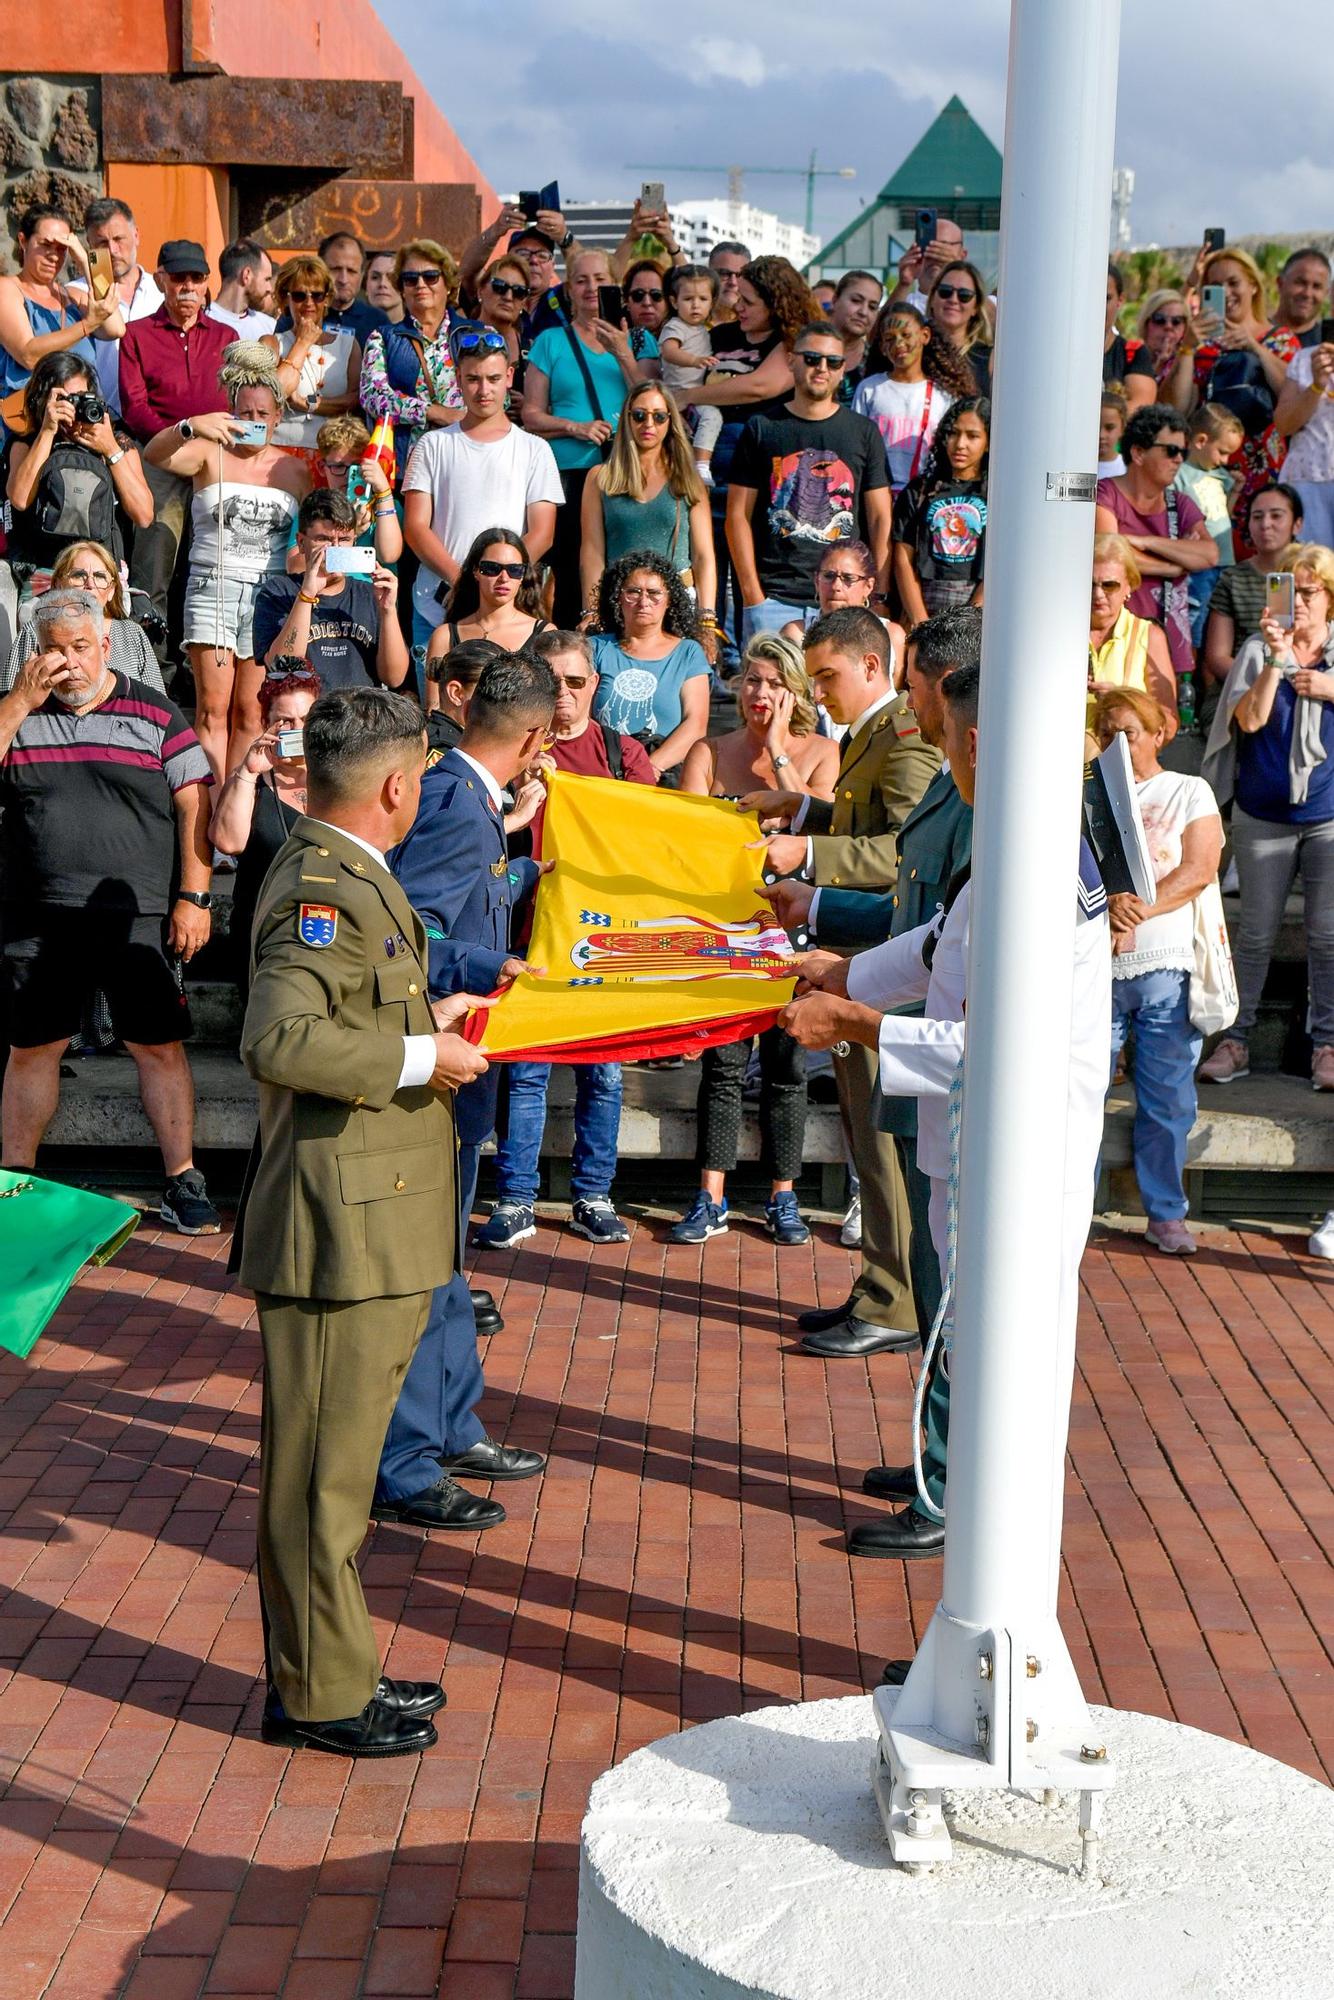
x=254, y=121
x=381, y=214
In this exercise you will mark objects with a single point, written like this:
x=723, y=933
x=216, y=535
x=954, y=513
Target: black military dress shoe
x=419, y=1698
x=903, y=1535
x=816, y=1318
x=890, y=1482
x=488, y=1460
x=895, y=1673
x=443, y=1505
x=852, y=1337
x=381, y=1730
x=486, y=1312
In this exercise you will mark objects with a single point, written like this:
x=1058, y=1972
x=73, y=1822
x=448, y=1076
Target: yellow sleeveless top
x=1122, y=657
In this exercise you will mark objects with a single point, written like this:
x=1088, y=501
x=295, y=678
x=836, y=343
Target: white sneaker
x=705, y=471
x=850, y=1235
x=1322, y=1243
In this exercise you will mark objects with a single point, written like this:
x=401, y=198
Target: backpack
x=615, y=754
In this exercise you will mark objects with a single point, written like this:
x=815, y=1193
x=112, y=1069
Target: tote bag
x=47, y=1234
x=1213, y=982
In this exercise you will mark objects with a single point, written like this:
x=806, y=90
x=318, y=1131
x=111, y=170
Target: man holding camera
x=341, y=614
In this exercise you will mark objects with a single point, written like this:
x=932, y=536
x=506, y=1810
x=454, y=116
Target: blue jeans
x=1203, y=583
x=771, y=614
x=1167, y=1049
x=597, y=1124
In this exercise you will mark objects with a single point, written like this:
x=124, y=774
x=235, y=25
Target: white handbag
x=1213, y=981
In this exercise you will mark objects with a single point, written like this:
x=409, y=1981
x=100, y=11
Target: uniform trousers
x=332, y=1369
x=436, y=1416
x=883, y=1293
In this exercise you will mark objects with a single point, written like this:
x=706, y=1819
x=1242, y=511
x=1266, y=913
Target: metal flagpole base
x=983, y=1711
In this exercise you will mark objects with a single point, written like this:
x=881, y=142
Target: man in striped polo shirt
x=104, y=811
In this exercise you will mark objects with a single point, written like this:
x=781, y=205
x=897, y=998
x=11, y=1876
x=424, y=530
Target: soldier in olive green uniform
x=349, y=1221
x=851, y=842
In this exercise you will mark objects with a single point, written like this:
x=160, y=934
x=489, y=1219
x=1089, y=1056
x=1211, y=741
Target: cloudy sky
x=575, y=92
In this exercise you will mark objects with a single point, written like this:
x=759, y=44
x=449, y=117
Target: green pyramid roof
x=953, y=159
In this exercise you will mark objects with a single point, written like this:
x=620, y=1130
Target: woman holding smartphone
x=1271, y=751
x=264, y=798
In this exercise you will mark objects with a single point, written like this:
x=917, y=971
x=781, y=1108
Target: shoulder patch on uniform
x=905, y=724
x=317, y=925
x=433, y=758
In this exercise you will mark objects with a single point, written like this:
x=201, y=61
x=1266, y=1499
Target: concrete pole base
x=745, y=1860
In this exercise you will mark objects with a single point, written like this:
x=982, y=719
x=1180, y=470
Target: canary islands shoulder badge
x=317, y=925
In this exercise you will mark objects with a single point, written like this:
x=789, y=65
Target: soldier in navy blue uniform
x=455, y=871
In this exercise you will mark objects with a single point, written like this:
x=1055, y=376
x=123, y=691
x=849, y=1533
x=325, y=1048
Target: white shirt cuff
x=418, y=1061
x=798, y=819
x=813, y=914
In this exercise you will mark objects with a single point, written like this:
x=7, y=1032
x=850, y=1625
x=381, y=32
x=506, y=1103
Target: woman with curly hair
x=912, y=376
x=497, y=597
x=940, y=525
x=957, y=310
x=649, y=496
x=754, y=350
x=407, y=373
x=245, y=504
x=319, y=367
x=653, y=677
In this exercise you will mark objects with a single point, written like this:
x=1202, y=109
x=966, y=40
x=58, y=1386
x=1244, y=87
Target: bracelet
x=705, y=618
x=386, y=513
x=304, y=597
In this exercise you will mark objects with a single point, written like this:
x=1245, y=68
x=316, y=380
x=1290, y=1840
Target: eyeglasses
x=504, y=289
x=302, y=298
x=421, y=277
x=1308, y=592
x=814, y=360
x=963, y=293
x=640, y=593
x=97, y=578
x=573, y=681
x=473, y=338
x=489, y=567
x=642, y=416
x=1171, y=450
x=1109, y=586
x=1167, y=319
x=847, y=576
x=642, y=296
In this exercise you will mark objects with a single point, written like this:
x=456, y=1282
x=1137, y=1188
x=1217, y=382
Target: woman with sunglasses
x=1164, y=527
x=649, y=496
x=1164, y=329
x=957, y=310
x=503, y=292
x=264, y=797
x=497, y=597
x=41, y=316
x=646, y=304
x=319, y=368
x=579, y=374
x=1125, y=650
x=407, y=375
x=91, y=566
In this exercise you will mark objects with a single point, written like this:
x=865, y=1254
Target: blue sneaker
x=782, y=1219
x=508, y=1223
x=596, y=1219
x=703, y=1219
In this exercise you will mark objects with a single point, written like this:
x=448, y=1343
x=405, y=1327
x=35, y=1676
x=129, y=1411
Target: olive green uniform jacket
x=885, y=768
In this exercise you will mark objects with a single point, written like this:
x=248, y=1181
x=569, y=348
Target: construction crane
x=736, y=176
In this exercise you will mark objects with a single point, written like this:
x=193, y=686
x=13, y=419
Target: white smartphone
x=653, y=196
x=1280, y=597
x=291, y=742
x=346, y=561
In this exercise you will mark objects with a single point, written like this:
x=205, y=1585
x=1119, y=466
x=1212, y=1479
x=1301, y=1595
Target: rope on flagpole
x=942, y=1328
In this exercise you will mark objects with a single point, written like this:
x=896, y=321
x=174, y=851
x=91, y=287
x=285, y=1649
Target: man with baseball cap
x=169, y=366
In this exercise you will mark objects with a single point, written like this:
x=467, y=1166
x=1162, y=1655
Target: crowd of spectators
x=684, y=486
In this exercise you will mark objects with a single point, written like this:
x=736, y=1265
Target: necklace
x=286, y=817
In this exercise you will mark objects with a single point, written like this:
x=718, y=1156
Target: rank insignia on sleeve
x=317, y=925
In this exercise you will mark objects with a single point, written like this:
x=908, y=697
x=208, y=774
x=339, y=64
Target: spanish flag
x=651, y=928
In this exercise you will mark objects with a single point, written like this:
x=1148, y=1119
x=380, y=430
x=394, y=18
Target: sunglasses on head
x=303, y=298
x=504, y=288
x=421, y=277
x=488, y=566
x=814, y=360
x=474, y=338
x=641, y=295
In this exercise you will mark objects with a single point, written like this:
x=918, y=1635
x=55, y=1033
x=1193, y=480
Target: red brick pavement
x=682, y=1558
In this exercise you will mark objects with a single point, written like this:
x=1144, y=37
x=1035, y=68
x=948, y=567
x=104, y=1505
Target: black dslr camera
x=88, y=407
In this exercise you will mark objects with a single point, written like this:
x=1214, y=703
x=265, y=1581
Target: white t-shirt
x=1311, y=452
x=907, y=416
x=1168, y=804
x=475, y=486
x=249, y=325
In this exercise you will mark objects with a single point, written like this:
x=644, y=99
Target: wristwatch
x=566, y=240
x=780, y=762
x=114, y=457
x=185, y=428
x=199, y=897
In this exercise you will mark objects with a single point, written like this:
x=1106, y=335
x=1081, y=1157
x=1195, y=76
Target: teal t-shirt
x=552, y=354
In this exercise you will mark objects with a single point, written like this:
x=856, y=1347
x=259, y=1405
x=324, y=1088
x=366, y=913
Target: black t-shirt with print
x=344, y=630
x=1118, y=361
x=945, y=524
x=811, y=476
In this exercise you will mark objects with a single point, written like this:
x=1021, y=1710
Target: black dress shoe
x=895, y=1673
x=443, y=1505
x=419, y=1698
x=891, y=1482
x=816, y=1318
x=379, y=1731
x=902, y=1535
x=488, y=1460
x=852, y=1337
x=486, y=1312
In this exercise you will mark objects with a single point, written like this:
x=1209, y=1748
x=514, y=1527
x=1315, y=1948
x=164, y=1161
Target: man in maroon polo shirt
x=169, y=366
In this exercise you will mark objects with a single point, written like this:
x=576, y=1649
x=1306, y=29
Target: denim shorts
x=221, y=615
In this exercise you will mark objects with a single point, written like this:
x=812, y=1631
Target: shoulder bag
x=1213, y=1000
